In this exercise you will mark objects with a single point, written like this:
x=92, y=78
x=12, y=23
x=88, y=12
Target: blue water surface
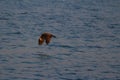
x=87, y=46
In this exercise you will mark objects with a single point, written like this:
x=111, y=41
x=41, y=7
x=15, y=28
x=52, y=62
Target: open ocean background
x=87, y=46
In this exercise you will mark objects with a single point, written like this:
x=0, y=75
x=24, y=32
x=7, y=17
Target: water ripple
x=87, y=46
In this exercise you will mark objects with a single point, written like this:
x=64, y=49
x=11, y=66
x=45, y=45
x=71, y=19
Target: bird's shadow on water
x=42, y=56
x=45, y=56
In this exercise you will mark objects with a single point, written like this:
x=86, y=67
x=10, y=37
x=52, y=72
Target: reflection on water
x=87, y=46
x=43, y=56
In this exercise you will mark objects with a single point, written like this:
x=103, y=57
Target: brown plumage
x=45, y=37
